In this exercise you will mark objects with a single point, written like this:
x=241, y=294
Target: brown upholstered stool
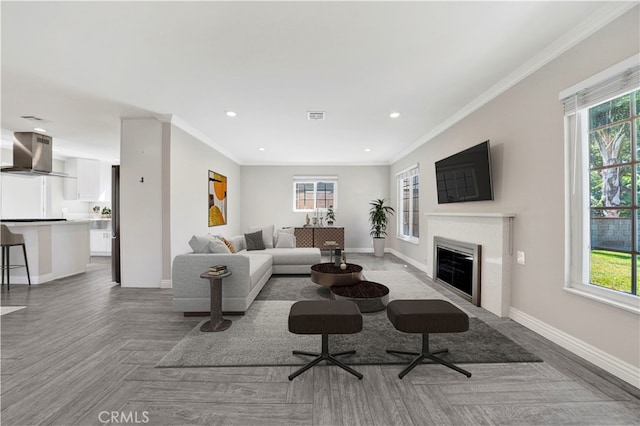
x=325, y=317
x=426, y=316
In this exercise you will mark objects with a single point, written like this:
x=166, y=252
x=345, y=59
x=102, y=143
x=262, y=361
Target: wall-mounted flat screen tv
x=465, y=176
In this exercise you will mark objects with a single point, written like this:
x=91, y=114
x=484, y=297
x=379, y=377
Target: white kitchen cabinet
x=86, y=185
x=100, y=242
x=104, y=193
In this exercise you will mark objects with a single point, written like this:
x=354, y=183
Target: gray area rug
x=261, y=336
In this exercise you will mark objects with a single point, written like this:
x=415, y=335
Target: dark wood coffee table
x=329, y=275
x=369, y=296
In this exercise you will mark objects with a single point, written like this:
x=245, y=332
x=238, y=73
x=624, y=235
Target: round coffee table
x=329, y=275
x=369, y=296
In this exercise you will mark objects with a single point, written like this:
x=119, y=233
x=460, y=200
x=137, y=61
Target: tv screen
x=465, y=176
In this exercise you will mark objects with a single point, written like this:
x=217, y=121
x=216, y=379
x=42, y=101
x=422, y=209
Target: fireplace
x=456, y=264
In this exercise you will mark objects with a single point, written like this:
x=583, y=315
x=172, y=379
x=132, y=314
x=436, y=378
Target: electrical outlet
x=520, y=257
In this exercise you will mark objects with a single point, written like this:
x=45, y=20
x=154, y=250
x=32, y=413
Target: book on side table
x=218, y=270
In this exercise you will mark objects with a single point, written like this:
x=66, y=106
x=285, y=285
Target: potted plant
x=331, y=216
x=379, y=218
x=106, y=212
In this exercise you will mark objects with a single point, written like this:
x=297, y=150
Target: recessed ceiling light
x=262, y=149
x=367, y=150
x=230, y=113
x=40, y=129
x=394, y=115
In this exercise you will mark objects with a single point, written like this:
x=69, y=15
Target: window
x=312, y=193
x=603, y=186
x=408, y=204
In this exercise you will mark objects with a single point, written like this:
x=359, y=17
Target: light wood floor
x=84, y=348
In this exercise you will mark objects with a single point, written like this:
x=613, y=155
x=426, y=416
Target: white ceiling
x=82, y=66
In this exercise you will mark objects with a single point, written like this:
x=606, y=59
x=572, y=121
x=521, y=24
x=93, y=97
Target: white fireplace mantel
x=472, y=214
x=493, y=231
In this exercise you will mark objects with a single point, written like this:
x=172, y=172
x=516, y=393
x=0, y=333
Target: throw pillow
x=286, y=241
x=282, y=231
x=232, y=249
x=217, y=246
x=267, y=234
x=254, y=241
x=199, y=244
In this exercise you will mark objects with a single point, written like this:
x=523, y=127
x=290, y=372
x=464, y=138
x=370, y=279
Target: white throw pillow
x=289, y=231
x=267, y=234
x=286, y=240
x=216, y=245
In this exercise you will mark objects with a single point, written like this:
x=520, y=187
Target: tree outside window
x=614, y=182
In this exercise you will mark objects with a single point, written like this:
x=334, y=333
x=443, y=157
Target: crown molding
x=597, y=20
x=186, y=127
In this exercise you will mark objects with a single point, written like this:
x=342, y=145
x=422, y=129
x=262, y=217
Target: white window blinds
x=620, y=79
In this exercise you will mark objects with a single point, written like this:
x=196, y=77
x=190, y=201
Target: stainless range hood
x=32, y=155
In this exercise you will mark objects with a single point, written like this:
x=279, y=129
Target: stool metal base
x=324, y=356
x=6, y=266
x=421, y=356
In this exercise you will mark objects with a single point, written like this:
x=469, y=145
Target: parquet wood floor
x=84, y=349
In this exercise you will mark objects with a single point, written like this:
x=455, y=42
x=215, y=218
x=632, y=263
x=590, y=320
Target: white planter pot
x=378, y=247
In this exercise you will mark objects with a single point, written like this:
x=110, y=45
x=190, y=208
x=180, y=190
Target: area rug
x=261, y=336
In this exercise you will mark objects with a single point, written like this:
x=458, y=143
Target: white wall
x=141, y=202
x=267, y=197
x=525, y=126
x=191, y=161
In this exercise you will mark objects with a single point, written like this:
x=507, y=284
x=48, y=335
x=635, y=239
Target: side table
x=217, y=322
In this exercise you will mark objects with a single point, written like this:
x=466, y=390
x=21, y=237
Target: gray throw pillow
x=254, y=241
x=199, y=244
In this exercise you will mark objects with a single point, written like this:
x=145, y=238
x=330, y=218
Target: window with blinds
x=315, y=193
x=602, y=132
x=408, y=204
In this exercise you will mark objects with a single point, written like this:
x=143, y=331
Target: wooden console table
x=322, y=237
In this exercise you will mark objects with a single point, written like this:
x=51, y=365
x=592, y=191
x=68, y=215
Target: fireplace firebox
x=456, y=264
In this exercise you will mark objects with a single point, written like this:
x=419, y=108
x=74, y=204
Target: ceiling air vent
x=315, y=115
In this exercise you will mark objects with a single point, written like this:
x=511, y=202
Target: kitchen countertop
x=42, y=222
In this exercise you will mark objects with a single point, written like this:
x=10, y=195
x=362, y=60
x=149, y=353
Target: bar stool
x=8, y=239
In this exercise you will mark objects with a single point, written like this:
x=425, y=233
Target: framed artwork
x=217, y=199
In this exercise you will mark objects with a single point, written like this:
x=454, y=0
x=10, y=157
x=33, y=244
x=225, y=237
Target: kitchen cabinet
x=100, y=242
x=86, y=185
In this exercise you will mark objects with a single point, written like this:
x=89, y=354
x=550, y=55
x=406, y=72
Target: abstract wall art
x=217, y=199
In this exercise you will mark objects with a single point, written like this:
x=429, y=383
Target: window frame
x=314, y=180
x=578, y=192
x=408, y=175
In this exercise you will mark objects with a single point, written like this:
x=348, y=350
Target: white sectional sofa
x=250, y=272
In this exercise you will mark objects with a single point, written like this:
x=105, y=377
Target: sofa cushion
x=259, y=264
x=229, y=245
x=254, y=241
x=294, y=256
x=238, y=242
x=217, y=246
x=200, y=243
x=285, y=241
x=267, y=234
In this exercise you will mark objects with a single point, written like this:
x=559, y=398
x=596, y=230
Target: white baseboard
x=409, y=260
x=166, y=284
x=619, y=368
